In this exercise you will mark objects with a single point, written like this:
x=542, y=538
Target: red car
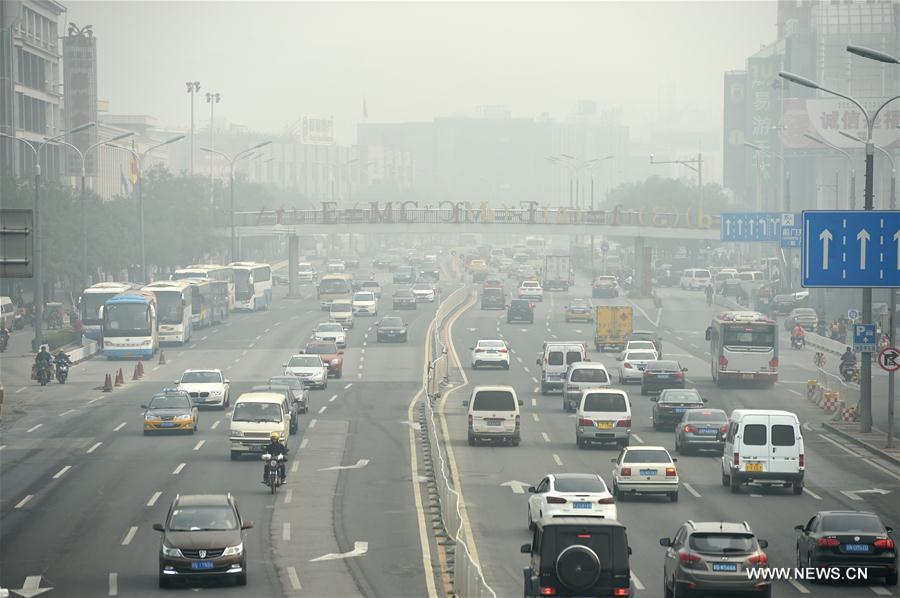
x=330, y=354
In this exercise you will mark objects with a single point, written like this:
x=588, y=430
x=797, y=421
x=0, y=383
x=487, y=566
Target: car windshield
x=580, y=484
x=641, y=345
x=700, y=415
x=605, y=402
x=647, y=456
x=494, y=400
x=330, y=327
x=321, y=348
x=289, y=381
x=341, y=307
x=202, y=519
x=491, y=344
x=364, y=297
x=201, y=378
x=852, y=523
x=420, y=286
x=664, y=366
x=719, y=543
x=640, y=356
x=590, y=375
x=304, y=361
x=680, y=396
x=370, y=284
x=257, y=412
x=169, y=402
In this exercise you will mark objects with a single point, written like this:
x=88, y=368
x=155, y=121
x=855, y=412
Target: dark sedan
x=662, y=374
x=390, y=329
x=300, y=393
x=404, y=299
x=848, y=539
x=671, y=405
x=700, y=429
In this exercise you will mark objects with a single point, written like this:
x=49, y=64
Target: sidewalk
x=874, y=442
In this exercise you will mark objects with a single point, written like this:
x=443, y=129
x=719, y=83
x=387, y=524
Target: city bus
x=743, y=347
x=252, y=285
x=129, y=325
x=212, y=272
x=90, y=302
x=209, y=301
x=332, y=287
x=174, y=310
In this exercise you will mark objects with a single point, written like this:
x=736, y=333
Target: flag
x=365, y=111
x=135, y=170
x=124, y=187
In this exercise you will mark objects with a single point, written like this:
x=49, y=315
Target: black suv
x=520, y=310
x=578, y=556
x=493, y=298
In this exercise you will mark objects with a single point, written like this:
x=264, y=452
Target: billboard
x=763, y=102
x=80, y=77
x=319, y=131
x=735, y=110
x=826, y=117
x=16, y=243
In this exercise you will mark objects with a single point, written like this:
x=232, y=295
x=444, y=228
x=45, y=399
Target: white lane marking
x=204, y=338
x=288, y=496
x=706, y=353
x=33, y=428
x=811, y=493
x=694, y=345
x=178, y=469
x=303, y=443
x=295, y=581
x=259, y=337
x=192, y=345
x=545, y=437
x=333, y=397
x=62, y=472
x=266, y=331
x=360, y=366
x=679, y=338
x=533, y=379
x=557, y=460
x=348, y=385
x=525, y=367
x=534, y=402
x=881, y=591
x=251, y=345
x=791, y=390
x=179, y=354
x=119, y=427
x=638, y=438
x=537, y=389
x=154, y=498
x=94, y=448
x=362, y=352
x=21, y=389
x=113, y=584
x=634, y=579
x=199, y=444
x=295, y=466
x=129, y=535
x=881, y=467
x=359, y=549
x=798, y=586
x=24, y=501
x=690, y=489
x=552, y=335
x=519, y=359
x=535, y=416
x=286, y=531
x=359, y=376
x=156, y=367
x=95, y=400
x=365, y=343
x=215, y=424
x=839, y=445
x=65, y=413
x=322, y=409
x=312, y=424
x=756, y=495
x=244, y=352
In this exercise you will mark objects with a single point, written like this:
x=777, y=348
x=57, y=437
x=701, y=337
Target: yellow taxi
x=171, y=411
x=475, y=265
x=579, y=310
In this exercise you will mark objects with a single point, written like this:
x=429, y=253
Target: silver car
x=581, y=376
x=604, y=415
x=701, y=429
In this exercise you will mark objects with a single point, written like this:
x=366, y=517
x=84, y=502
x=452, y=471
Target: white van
x=256, y=415
x=7, y=312
x=694, y=279
x=555, y=360
x=603, y=415
x=494, y=414
x=341, y=311
x=763, y=446
x=581, y=376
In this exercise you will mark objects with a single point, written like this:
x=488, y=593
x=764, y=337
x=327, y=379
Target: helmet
x=274, y=436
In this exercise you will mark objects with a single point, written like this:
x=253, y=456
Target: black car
x=493, y=298
x=404, y=299
x=520, y=310
x=605, y=286
x=643, y=335
x=671, y=405
x=846, y=539
x=662, y=374
x=578, y=556
x=391, y=328
x=480, y=275
x=301, y=394
x=404, y=276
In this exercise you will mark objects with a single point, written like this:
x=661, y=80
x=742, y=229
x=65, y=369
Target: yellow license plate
x=605, y=425
x=747, y=376
x=754, y=467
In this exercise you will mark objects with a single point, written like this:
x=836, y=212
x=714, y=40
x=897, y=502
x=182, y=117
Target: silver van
x=555, y=360
x=581, y=376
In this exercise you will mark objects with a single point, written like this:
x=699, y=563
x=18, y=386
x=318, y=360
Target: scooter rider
x=848, y=358
x=62, y=358
x=798, y=333
x=43, y=359
x=275, y=448
x=4, y=334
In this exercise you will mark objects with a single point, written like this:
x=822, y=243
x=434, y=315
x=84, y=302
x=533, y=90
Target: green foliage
x=59, y=338
x=656, y=191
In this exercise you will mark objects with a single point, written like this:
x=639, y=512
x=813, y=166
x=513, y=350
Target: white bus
x=252, y=285
x=92, y=300
x=174, y=310
x=743, y=346
x=209, y=301
x=211, y=271
x=129, y=325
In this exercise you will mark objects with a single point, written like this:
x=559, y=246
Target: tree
x=656, y=191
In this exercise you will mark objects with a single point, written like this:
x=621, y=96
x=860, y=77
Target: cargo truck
x=557, y=273
x=614, y=324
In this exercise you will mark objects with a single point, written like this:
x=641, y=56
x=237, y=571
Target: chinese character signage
x=763, y=101
x=733, y=142
x=826, y=117
x=80, y=77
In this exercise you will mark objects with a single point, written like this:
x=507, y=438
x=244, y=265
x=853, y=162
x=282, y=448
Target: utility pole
x=192, y=87
x=212, y=99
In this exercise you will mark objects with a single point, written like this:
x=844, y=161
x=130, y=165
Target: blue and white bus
x=174, y=310
x=212, y=272
x=92, y=300
x=129, y=325
x=252, y=285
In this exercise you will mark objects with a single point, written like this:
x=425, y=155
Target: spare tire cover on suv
x=578, y=567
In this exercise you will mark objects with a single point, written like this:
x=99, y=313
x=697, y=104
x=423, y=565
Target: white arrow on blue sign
x=751, y=226
x=851, y=249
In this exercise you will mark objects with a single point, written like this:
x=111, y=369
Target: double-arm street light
x=139, y=159
x=847, y=155
x=231, y=161
x=695, y=164
x=38, y=237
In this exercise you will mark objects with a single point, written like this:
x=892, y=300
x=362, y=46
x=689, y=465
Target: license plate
x=605, y=425
x=680, y=409
x=724, y=566
x=494, y=422
x=747, y=376
x=491, y=351
x=648, y=472
x=202, y=565
x=641, y=367
x=256, y=448
x=856, y=548
x=166, y=424
x=662, y=376
x=754, y=467
x=581, y=505
x=707, y=431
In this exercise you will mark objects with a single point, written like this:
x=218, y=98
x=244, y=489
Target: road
x=80, y=486
x=496, y=516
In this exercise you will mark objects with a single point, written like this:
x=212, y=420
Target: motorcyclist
x=43, y=359
x=275, y=448
x=848, y=361
x=62, y=357
x=798, y=333
x=4, y=333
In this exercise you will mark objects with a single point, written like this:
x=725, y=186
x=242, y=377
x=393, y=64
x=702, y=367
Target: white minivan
x=555, y=360
x=603, y=415
x=494, y=414
x=695, y=279
x=763, y=446
x=256, y=415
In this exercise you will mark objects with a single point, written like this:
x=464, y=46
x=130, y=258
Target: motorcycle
x=4, y=342
x=43, y=374
x=849, y=371
x=797, y=342
x=273, y=473
x=62, y=372
x=18, y=322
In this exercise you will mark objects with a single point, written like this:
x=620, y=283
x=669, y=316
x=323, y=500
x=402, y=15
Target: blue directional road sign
x=791, y=231
x=751, y=226
x=864, y=338
x=851, y=249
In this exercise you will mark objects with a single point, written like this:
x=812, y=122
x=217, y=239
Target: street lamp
x=38, y=238
x=192, y=87
x=872, y=54
x=893, y=196
x=847, y=155
x=689, y=164
x=139, y=158
x=231, y=161
x=865, y=377
x=212, y=99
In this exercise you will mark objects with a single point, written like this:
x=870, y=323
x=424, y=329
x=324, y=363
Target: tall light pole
x=192, y=87
x=231, y=161
x=139, y=158
x=212, y=99
x=852, y=200
x=865, y=377
x=38, y=237
x=893, y=196
x=598, y=164
x=695, y=164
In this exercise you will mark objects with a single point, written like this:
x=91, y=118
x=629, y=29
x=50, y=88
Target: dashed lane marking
x=244, y=352
x=199, y=444
x=312, y=424
x=154, y=498
x=534, y=402
x=362, y=352
x=288, y=496
x=537, y=389
x=251, y=345
x=215, y=424
x=179, y=354
x=204, y=338
x=348, y=385
x=295, y=466
x=792, y=391
x=798, y=586
x=525, y=367
x=95, y=400
x=295, y=581
x=756, y=495
x=811, y=493
x=258, y=337
x=881, y=591
x=192, y=345
x=65, y=413
x=636, y=437
x=113, y=584
x=333, y=397
x=93, y=448
x=637, y=582
x=545, y=437
x=552, y=336
x=322, y=409
x=21, y=389
x=129, y=535
x=303, y=443
x=154, y=368
x=33, y=428
x=178, y=469
x=519, y=359
x=690, y=489
x=24, y=501
x=266, y=331
x=557, y=460
x=286, y=531
x=61, y=472
x=535, y=416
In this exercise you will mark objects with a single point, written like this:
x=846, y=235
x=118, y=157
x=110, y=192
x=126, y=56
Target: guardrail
x=824, y=343
x=87, y=349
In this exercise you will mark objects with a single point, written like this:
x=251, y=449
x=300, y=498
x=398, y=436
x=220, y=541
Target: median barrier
x=86, y=350
x=824, y=343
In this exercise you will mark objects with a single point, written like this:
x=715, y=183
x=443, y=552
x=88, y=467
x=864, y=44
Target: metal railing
x=848, y=392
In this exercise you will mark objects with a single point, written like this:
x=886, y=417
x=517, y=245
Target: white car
x=640, y=346
x=645, y=470
x=331, y=331
x=309, y=368
x=341, y=311
x=306, y=272
x=490, y=352
x=206, y=387
x=632, y=364
x=571, y=495
x=531, y=289
x=423, y=292
x=364, y=303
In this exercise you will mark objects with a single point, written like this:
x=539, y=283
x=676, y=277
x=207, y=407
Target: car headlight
x=237, y=432
x=186, y=416
x=149, y=417
x=234, y=550
x=169, y=551
x=215, y=393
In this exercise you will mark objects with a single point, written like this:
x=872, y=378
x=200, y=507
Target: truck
x=557, y=273
x=614, y=324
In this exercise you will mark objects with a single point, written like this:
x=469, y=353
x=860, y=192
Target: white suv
x=206, y=387
x=306, y=272
x=490, y=352
x=365, y=304
x=531, y=289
